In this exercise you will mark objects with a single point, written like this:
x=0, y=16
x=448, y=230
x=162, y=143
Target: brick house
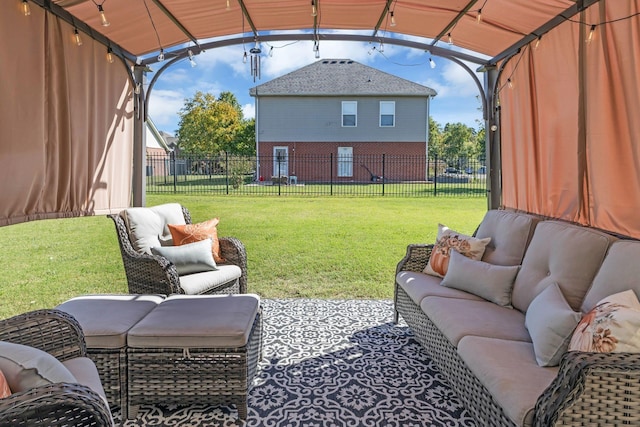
x=339, y=117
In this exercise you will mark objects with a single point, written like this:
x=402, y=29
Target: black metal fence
x=316, y=175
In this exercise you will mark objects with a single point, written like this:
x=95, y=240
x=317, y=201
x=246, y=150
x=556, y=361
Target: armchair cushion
x=199, y=283
x=28, y=367
x=147, y=227
x=86, y=373
x=191, y=258
x=189, y=233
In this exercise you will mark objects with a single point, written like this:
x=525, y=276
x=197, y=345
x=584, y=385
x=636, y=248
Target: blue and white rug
x=333, y=364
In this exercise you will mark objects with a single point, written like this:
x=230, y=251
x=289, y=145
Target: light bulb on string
x=510, y=83
x=314, y=8
x=138, y=89
x=381, y=48
x=110, y=57
x=191, y=61
x=432, y=63
x=26, y=9
x=479, y=17
x=161, y=55
x=537, y=45
x=228, y=5
x=76, y=37
x=449, y=38
x=393, y=19
x=103, y=18
x=271, y=52
x=244, y=57
x=592, y=34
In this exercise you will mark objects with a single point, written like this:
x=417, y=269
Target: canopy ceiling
x=182, y=23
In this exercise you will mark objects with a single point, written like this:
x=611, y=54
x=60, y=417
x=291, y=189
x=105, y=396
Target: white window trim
x=355, y=103
x=394, y=114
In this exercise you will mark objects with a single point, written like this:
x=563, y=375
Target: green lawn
x=296, y=247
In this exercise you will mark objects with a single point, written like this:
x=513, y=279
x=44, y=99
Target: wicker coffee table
x=195, y=350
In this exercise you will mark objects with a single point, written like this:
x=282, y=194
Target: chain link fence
x=316, y=175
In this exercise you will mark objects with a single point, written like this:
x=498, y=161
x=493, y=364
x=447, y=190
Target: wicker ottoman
x=201, y=349
x=105, y=321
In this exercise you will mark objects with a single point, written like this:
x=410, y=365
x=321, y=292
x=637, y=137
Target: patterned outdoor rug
x=333, y=364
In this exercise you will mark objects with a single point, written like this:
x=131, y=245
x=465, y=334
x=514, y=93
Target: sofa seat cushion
x=148, y=227
x=196, y=283
x=510, y=234
x=509, y=371
x=566, y=254
x=421, y=285
x=105, y=319
x=457, y=318
x=197, y=321
x=86, y=373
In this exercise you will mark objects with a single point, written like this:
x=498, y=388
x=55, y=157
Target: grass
x=296, y=247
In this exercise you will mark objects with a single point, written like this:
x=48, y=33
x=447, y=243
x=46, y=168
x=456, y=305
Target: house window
x=345, y=161
x=387, y=113
x=349, y=113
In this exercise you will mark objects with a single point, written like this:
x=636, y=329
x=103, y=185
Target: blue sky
x=222, y=69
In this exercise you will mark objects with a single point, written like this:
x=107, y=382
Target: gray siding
x=314, y=119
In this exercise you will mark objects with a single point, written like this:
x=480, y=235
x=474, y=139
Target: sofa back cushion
x=619, y=272
x=148, y=226
x=566, y=254
x=510, y=234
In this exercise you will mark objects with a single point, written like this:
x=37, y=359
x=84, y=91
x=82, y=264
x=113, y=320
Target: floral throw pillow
x=4, y=387
x=612, y=326
x=190, y=233
x=448, y=240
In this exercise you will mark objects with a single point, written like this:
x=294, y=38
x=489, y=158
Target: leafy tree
x=207, y=125
x=231, y=99
x=435, y=138
x=245, y=143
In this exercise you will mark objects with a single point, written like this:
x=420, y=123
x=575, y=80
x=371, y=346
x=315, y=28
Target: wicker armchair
x=153, y=274
x=60, y=404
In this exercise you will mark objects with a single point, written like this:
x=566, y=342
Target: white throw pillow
x=190, y=258
x=447, y=240
x=551, y=322
x=491, y=282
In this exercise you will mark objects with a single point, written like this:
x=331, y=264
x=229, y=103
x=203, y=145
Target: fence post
x=331, y=174
x=435, y=177
x=226, y=170
x=175, y=172
x=384, y=176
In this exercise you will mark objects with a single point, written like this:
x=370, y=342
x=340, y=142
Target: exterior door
x=281, y=161
x=345, y=161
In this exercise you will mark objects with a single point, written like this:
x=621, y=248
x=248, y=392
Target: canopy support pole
x=139, y=148
x=492, y=142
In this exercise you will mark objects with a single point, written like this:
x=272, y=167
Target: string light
x=537, y=45
x=26, y=9
x=103, y=18
x=432, y=64
x=191, y=61
x=161, y=55
x=381, y=48
x=510, y=83
x=271, y=52
x=76, y=37
x=110, y=57
x=449, y=38
x=314, y=8
x=244, y=57
x=228, y=5
x=479, y=17
x=592, y=34
x=138, y=89
x=393, y=19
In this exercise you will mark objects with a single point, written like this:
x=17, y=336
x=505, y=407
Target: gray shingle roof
x=329, y=77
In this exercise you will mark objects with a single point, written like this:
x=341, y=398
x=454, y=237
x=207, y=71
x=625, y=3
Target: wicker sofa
x=50, y=347
x=486, y=351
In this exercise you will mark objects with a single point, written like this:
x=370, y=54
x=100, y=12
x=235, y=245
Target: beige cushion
x=196, y=283
x=421, y=285
x=457, y=318
x=27, y=367
x=509, y=371
x=86, y=373
x=202, y=321
x=613, y=326
x=105, y=319
x=449, y=240
x=560, y=253
x=510, y=234
x=619, y=272
x=550, y=322
x=190, y=258
x=491, y=282
x=148, y=226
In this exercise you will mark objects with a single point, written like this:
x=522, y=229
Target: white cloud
x=164, y=106
x=249, y=111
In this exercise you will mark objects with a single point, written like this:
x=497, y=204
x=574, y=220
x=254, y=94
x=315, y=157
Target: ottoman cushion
x=197, y=321
x=105, y=319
